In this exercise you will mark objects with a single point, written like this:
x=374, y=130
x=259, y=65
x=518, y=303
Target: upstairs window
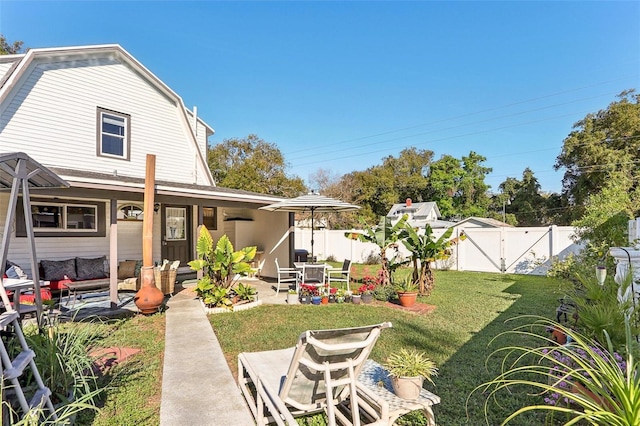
x=113, y=134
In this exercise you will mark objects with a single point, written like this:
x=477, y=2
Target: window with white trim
x=113, y=134
x=54, y=217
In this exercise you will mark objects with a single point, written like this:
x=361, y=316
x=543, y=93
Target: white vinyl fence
x=511, y=250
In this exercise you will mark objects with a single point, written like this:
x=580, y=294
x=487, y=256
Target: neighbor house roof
x=416, y=210
x=484, y=222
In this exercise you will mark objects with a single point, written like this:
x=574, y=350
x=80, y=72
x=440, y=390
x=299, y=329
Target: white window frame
x=65, y=217
x=125, y=137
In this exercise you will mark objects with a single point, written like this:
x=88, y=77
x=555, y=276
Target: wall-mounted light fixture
x=156, y=207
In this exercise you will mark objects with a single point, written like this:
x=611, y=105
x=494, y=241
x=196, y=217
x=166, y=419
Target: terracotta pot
x=149, y=298
x=581, y=390
x=407, y=298
x=407, y=387
x=325, y=300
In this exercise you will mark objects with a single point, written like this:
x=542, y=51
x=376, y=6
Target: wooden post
x=147, y=222
x=149, y=298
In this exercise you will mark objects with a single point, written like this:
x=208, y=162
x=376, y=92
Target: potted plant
x=306, y=291
x=292, y=297
x=366, y=291
x=408, y=369
x=407, y=290
x=356, y=297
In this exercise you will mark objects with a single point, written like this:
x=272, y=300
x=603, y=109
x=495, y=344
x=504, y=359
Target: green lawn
x=471, y=309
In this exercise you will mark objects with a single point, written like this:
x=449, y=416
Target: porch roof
x=92, y=184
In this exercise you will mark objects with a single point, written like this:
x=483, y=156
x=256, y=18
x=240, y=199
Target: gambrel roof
x=14, y=68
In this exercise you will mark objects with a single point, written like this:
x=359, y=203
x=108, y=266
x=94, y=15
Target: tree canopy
x=8, y=48
x=254, y=165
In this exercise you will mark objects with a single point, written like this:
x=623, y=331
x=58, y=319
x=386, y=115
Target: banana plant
x=425, y=249
x=385, y=236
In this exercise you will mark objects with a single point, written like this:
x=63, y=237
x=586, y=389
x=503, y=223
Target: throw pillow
x=56, y=270
x=16, y=272
x=126, y=269
x=90, y=269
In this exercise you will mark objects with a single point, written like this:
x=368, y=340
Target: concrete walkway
x=197, y=385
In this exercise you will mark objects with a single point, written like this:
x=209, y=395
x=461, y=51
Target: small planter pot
x=407, y=299
x=367, y=298
x=332, y=298
x=407, y=387
x=316, y=300
x=356, y=299
x=325, y=300
x=292, y=299
x=305, y=300
x=340, y=299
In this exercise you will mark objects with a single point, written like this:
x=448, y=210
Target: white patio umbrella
x=311, y=203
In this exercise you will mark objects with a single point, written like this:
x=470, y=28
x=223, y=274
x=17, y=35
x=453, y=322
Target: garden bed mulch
x=417, y=308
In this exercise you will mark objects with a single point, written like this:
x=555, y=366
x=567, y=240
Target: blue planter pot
x=316, y=300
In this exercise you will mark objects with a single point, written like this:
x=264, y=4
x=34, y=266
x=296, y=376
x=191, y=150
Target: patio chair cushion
x=56, y=270
x=90, y=269
x=126, y=269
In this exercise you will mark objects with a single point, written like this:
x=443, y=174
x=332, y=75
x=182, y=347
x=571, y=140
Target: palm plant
x=385, y=236
x=582, y=380
x=424, y=250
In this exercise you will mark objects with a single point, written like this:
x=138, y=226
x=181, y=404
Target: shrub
x=372, y=258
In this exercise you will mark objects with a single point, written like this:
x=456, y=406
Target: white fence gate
x=513, y=250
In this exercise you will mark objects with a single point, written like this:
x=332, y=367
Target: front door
x=176, y=241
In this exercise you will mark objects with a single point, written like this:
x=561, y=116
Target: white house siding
x=56, y=107
x=67, y=247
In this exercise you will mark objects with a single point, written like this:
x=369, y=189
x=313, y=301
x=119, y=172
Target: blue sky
x=340, y=85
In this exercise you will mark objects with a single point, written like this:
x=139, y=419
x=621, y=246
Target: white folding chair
x=287, y=276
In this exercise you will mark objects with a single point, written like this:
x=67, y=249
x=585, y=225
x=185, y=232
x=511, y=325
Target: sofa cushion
x=126, y=269
x=56, y=270
x=59, y=284
x=90, y=269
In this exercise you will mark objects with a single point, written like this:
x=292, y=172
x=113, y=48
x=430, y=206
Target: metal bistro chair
x=314, y=274
x=340, y=275
x=286, y=276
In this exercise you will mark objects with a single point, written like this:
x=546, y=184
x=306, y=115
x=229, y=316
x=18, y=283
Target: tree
x=607, y=214
x=471, y=198
x=602, y=146
x=340, y=188
x=254, y=165
x=7, y=48
x=379, y=187
x=444, y=180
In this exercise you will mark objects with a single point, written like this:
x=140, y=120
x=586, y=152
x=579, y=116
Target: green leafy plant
x=246, y=292
x=406, y=285
x=605, y=389
x=66, y=368
x=424, y=250
x=218, y=297
x=220, y=263
x=222, y=266
x=385, y=236
x=411, y=363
